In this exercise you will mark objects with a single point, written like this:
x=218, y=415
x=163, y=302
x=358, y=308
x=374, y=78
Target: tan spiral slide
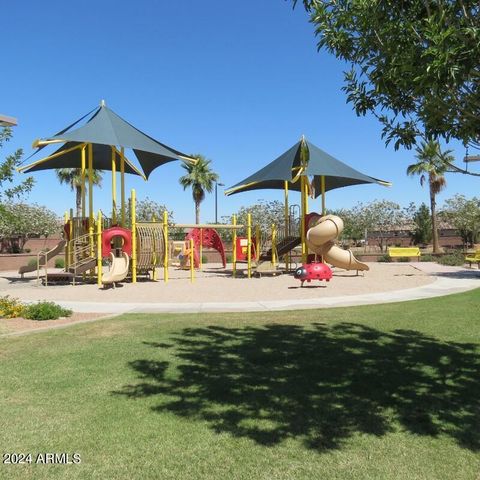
x=321, y=240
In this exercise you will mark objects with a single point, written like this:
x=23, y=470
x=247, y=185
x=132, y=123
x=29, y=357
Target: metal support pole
x=84, y=163
x=73, y=234
x=322, y=183
x=154, y=274
x=274, y=245
x=287, y=225
x=192, y=261
x=90, y=184
x=302, y=220
x=99, y=249
x=216, y=199
x=234, y=247
x=114, y=186
x=122, y=185
x=134, y=238
x=67, y=246
x=249, y=245
x=200, y=262
x=165, y=236
x=258, y=235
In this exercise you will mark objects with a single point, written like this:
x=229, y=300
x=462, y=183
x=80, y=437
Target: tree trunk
x=436, y=244
x=78, y=200
x=197, y=212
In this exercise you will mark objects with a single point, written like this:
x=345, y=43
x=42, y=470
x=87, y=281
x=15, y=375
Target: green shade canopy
x=103, y=129
x=102, y=155
x=287, y=167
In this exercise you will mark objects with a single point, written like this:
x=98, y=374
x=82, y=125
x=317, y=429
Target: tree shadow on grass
x=320, y=384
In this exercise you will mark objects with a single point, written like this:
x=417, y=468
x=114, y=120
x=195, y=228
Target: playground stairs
x=82, y=258
x=82, y=266
x=284, y=246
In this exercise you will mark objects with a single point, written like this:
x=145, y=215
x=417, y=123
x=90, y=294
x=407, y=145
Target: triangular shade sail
x=105, y=128
x=102, y=155
x=286, y=167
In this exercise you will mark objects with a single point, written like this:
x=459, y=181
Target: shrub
x=10, y=307
x=45, y=311
x=403, y=259
x=32, y=262
x=59, y=263
x=204, y=259
x=228, y=258
x=27, y=250
x=384, y=258
x=454, y=259
x=427, y=258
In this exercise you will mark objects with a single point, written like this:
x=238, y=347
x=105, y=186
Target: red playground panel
x=242, y=249
x=210, y=239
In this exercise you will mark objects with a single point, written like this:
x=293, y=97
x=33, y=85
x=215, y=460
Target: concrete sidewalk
x=449, y=281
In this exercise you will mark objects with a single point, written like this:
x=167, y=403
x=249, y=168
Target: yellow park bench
x=404, y=252
x=475, y=258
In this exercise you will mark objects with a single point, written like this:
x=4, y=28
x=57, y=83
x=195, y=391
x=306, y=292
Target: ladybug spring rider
x=313, y=271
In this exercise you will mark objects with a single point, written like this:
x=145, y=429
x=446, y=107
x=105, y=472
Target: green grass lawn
x=381, y=392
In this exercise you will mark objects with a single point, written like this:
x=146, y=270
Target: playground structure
x=140, y=248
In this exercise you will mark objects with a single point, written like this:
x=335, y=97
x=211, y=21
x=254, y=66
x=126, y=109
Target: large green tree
x=413, y=64
x=73, y=178
x=422, y=220
x=200, y=178
x=464, y=215
x=431, y=166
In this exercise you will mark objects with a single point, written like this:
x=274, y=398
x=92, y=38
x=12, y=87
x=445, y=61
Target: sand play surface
x=214, y=284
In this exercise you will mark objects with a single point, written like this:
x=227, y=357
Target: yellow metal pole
x=67, y=247
x=71, y=228
x=274, y=245
x=84, y=164
x=201, y=249
x=122, y=185
x=154, y=275
x=249, y=245
x=192, y=261
x=99, y=249
x=114, y=186
x=234, y=247
x=165, y=236
x=322, y=183
x=302, y=220
x=287, y=225
x=134, y=238
x=258, y=235
x=90, y=183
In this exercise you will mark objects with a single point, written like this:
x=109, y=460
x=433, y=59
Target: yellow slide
x=321, y=240
x=118, y=269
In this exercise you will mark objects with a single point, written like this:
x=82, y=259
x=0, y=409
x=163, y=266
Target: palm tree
x=201, y=178
x=73, y=177
x=432, y=164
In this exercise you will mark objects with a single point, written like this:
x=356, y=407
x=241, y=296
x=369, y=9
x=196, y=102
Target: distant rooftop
x=6, y=121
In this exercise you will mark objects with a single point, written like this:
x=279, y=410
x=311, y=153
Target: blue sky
x=239, y=82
